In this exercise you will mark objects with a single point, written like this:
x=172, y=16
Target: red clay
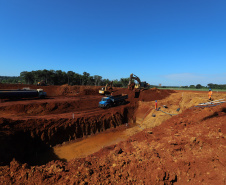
x=187, y=149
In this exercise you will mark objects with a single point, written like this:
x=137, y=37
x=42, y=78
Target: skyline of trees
x=59, y=77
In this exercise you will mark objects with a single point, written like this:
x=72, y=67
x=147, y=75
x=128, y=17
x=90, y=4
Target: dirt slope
x=187, y=149
x=71, y=115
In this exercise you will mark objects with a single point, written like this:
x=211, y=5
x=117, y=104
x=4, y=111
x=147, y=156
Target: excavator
x=42, y=83
x=107, y=89
x=140, y=85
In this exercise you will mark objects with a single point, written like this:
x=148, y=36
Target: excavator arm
x=132, y=85
x=133, y=77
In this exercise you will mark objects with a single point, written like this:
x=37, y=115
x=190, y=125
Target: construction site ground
x=67, y=139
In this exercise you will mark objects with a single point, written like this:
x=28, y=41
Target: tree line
x=59, y=77
x=210, y=86
x=10, y=79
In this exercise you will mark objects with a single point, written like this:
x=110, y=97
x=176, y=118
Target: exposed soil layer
x=188, y=148
x=30, y=127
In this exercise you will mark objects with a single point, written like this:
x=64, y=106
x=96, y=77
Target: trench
x=40, y=142
x=92, y=144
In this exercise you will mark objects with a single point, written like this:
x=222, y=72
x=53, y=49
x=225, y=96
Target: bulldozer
x=107, y=89
x=140, y=85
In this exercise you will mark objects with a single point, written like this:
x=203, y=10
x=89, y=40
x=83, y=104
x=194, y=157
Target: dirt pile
x=52, y=90
x=76, y=90
x=144, y=95
x=187, y=149
x=49, y=106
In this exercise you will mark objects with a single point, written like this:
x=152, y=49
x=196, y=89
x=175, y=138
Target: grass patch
x=193, y=89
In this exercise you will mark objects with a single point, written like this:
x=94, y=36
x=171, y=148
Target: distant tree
x=211, y=86
x=192, y=86
x=198, y=86
x=51, y=75
x=117, y=83
x=77, y=80
x=28, y=77
x=104, y=82
x=124, y=81
x=60, y=78
x=216, y=86
x=70, y=76
x=47, y=75
x=91, y=81
x=97, y=80
x=85, y=78
x=38, y=76
x=10, y=79
x=184, y=86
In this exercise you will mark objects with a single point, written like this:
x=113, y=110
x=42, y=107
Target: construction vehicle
x=107, y=89
x=140, y=85
x=21, y=93
x=42, y=83
x=109, y=101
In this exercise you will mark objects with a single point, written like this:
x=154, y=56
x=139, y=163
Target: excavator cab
x=140, y=85
x=107, y=89
x=42, y=83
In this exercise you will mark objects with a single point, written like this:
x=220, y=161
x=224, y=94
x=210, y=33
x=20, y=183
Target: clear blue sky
x=172, y=42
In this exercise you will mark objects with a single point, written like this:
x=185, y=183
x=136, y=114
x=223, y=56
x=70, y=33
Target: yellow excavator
x=107, y=89
x=42, y=83
x=140, y=85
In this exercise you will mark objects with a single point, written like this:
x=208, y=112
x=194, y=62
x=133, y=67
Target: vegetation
x=11, y=79
x=58, y=77
x=197, y=87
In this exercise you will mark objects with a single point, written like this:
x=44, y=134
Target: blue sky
x=168, y=42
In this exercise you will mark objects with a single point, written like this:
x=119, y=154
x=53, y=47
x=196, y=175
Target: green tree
x=117, y=83
x=97, y=80
x=198, y=86
x=85, y=78
x=60, y=77
x=124, y=81
x=70, y=76
x=77, y=80
x=104, y=82
x=28, y=77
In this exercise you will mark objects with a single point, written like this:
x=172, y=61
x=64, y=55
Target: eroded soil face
x=31, y=127
x=181, y=146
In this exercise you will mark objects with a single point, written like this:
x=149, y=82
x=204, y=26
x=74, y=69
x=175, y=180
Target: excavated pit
x=40, y=135
x=29, y=129
x=186, y=148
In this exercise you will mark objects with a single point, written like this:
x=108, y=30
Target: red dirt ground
x=186, y=149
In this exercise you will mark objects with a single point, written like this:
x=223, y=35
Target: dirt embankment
x=23, y=138
x=187, y=149
x=70, y=115
x=53, y=90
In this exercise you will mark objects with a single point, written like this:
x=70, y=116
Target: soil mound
x=144, y=95
x=67, y=90
x=54, y=90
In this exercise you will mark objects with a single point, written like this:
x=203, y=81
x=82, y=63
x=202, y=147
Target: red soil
x=187, y=149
